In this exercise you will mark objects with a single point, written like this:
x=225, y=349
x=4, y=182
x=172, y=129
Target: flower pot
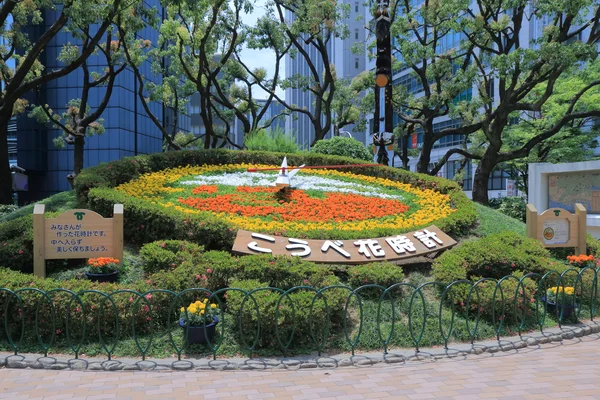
x=110, y=277
x=200, y=334
x=567, y=310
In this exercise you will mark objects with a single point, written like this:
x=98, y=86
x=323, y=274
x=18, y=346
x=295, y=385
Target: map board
x=76, y=234
x=566, y=189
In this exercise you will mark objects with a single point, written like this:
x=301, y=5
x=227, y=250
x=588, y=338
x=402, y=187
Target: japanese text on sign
x=406, y=245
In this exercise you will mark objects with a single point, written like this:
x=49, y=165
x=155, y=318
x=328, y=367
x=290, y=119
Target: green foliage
x=271, y=140
x=514, y=207
x=56, y=203
x=342, y=146
x=146, y=222
x=494, y=256
x=297, y=314
x=383, y=274
x=167, y=254
x=6, y=209
x=16, y=244
x=492, y=221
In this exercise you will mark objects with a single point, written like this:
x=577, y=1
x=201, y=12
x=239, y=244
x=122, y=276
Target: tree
x=510, y=77
x=313, y=26
x=428, y=43
x=20, y=68
x=527, y=77
x=574, y=142
x=202, y=38
x=237, y=88
x=79, y=121
x=173, y=91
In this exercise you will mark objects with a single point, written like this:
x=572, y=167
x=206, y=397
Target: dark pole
x=383, y=82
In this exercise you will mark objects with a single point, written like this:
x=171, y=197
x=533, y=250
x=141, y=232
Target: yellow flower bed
x=153, y=186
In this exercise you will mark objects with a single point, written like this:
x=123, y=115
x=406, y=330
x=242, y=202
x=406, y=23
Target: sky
x=261, y=58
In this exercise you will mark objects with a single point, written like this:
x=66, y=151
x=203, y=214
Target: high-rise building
x=347, y=65
x=128, y=130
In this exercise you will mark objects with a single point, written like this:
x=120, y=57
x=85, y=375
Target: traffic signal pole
x=383, y=119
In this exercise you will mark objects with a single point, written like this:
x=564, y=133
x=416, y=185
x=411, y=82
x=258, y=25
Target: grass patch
x=57, y=203
x=492, y=221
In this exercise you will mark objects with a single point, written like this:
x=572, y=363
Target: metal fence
x=91, y=315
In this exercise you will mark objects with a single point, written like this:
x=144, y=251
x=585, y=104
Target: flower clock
x=323, y=203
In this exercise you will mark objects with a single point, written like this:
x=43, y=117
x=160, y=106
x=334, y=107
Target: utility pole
x=383, y=123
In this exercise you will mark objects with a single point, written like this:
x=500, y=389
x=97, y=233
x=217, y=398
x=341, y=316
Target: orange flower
x=100, y=262
x=298, y=205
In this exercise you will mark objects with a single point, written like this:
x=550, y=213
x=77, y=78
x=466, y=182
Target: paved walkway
x=555, y=370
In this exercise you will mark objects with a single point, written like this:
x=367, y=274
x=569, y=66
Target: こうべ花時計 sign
x=76, y=234
x=557, y=227
x=406, y=245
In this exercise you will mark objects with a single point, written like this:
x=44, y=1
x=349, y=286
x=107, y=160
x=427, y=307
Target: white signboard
x=555, y=231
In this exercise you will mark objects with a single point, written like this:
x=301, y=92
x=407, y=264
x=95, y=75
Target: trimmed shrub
x=7, y=209
x=167, y=254
x=494, y=256
x=16, y=244
x=297, y=313
x=342, y=146
x=271, y=140
x=514, y=207
x=383, y=274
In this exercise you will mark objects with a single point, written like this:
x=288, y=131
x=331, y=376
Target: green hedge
x=146, y=222
x=343, y=146
x=497, y=256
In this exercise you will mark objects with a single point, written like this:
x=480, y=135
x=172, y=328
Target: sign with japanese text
x=76, y=234
x=359, y=251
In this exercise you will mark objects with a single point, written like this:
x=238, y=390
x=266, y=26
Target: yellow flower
x=201, y=312
x=182, y=309
x=198, y=303
x=213, y=305
x=205, y=301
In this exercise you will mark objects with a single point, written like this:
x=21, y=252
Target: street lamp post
x=383, y=122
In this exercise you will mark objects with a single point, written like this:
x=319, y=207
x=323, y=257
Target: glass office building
x=128, y=130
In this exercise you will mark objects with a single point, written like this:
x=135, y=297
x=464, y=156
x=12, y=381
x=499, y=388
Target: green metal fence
x=91, y=315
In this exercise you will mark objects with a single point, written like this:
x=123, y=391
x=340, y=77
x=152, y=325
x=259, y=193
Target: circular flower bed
x=321, y=203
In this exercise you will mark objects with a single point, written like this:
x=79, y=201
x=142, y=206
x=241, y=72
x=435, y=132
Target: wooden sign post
x=75, y=234
x=556, y=227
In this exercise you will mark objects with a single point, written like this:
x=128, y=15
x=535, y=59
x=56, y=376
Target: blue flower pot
x=111, y=277
x=200, y=334
x=567, y=309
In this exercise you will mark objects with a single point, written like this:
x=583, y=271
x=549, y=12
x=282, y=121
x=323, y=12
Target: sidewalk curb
x=393, y=357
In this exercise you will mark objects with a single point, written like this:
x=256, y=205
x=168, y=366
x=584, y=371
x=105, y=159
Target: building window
x=12, y=156
x=356, y=63
x=356, y=34
x=356, y=6
x=497, y=180
x=452, y=168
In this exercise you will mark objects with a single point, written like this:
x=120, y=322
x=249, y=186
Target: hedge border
x=94, y=190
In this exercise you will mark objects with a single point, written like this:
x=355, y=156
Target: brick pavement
x=568, y=369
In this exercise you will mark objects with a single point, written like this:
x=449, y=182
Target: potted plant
x=582, y=261
x=199, y=321
x=561, y=299
x=103, y=269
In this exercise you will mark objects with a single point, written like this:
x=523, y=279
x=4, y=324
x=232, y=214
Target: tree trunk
x=482, y=176
x=425, y=157
x=78, y=147
x=6, y=192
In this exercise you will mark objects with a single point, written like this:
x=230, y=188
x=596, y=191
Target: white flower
x=300, y=181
